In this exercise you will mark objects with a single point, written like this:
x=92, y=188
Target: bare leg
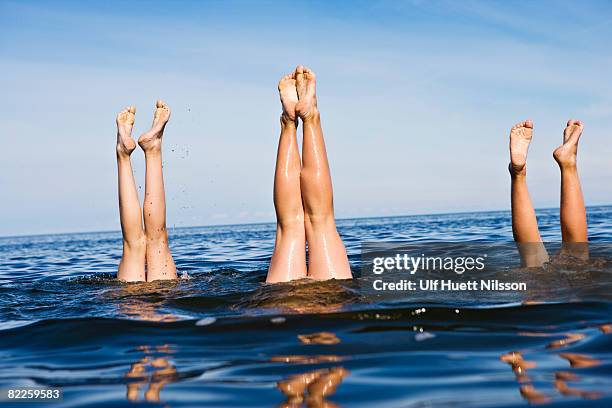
x=160, y=264
x=524, y=222
x=573, y=213
x=326, y=253
x=289, y=258
x=132, y=265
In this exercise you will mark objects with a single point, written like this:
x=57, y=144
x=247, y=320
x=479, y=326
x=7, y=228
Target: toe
x=299, y=73
x=160, y=104
x=309, y=73
x=131, y=109
x=528, y=124
x=121, y=115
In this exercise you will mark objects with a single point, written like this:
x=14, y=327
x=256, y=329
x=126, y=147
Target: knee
x=138, y=244
x=157, y=237
x=291, y=223
x=318, y=220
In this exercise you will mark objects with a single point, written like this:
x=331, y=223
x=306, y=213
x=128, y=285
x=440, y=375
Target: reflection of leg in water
x=580, y=360
x=324, y=386
x=519, y=367
x=164, y=373
x=156, y=372
x=573, y=213
x=524, y=222
x=532, y=395
x=137, y=371
x=312, y=388
x=569, y=339
x=518, y=364
x=561, y=379
x=319, y=338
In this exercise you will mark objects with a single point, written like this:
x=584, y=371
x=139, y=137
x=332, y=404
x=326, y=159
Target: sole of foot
x=520, y=138
x=288, y=96
x=125, y=123
x=306, y=86
x=565, y=155
x=151, y=140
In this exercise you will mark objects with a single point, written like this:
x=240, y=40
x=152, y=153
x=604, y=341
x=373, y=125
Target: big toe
x=160, y=104
x=131, y=109
x=299, y=75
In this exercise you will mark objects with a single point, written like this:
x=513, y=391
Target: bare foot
x=305, y=82
x=565, y=155
x=151, y=140
x=520, y=137
x=125, y=122
x=289, y=97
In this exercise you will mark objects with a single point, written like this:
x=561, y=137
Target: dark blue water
x=220, y=337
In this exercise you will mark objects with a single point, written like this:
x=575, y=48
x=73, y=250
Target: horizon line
x=272, y=222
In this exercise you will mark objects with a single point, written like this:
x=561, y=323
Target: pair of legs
x=146, y=247
x=573, y=213
x=303, y=195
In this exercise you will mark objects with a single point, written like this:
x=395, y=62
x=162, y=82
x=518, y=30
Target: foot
x=289, y=97
x=520, y=137
x=305, y=82
x=151, y=140
x=125, y=123
x=565, y=155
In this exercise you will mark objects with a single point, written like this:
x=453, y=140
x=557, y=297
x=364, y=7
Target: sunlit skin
x=573, y=214
x=132, y=265
x=149, y=245
x=306, y=196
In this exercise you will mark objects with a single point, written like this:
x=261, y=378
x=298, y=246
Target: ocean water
x=220, y=337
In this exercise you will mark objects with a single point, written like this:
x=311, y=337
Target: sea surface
x=219, y=336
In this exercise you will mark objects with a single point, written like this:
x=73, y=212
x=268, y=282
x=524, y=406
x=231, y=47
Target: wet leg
x=132, y=265
x=573, y=212
x=289, y=258
x=160, y=264
x=524, y=222
x=326, y=253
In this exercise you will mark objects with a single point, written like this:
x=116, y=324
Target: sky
x=416, y=100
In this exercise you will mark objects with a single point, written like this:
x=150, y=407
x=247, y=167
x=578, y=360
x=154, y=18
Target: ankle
x=288, y=123
x=568, y=166
x=517, y=172
x=311, y=117
x=122, y=153
x=152, y=147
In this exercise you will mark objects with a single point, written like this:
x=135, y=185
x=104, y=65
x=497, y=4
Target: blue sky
x=416, y=98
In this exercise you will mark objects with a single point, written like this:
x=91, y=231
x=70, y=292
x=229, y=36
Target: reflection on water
x=561, y=378
x=319, y=338
x=152, y=371
x=312, y=388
